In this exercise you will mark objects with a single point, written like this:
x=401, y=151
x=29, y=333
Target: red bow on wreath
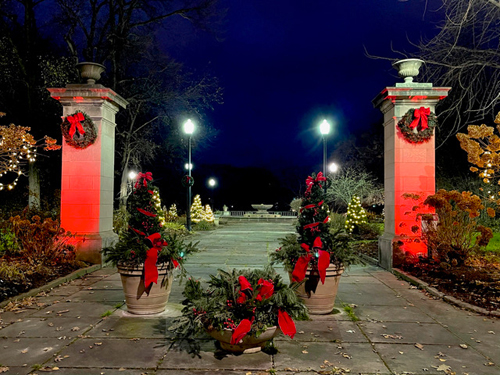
x=299, y=272
x=421, y=117
x=148, y=176
x=150, y=269
x=76, y=124
x=310, y=181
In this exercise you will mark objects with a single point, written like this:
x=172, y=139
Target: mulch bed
x=11, y=288
x=369, y=249
x=479, y=286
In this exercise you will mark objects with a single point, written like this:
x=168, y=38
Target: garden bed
x=476, y=284
x=30, y=277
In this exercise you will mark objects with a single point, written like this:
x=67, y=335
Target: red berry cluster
x=230, y=324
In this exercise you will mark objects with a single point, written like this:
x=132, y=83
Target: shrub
x=337, y=222
x=453, y=239
x=204, y=226
x=171, y=229
x=43, y=242
x=8, y=243
x=120, y=220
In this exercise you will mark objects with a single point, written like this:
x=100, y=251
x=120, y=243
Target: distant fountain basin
x=261, y=208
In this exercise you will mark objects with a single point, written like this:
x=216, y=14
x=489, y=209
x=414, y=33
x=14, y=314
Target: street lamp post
x=324, y=128
x=189, y=129
x=212, y=182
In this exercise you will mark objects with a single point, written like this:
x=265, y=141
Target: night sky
x=286, y=65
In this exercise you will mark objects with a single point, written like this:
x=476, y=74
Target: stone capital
x=74, y=93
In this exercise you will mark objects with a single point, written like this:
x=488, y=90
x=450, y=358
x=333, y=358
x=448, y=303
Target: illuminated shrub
x=452, y=239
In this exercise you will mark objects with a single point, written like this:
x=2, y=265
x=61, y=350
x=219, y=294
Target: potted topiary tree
x=145, y=255
x=318, y=256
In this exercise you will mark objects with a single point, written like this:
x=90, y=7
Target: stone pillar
x=408, y=167
x=87, y=174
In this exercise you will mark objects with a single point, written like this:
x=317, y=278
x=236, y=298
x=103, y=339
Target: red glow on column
x=442, y=97
x=105, y=97
x=417, y=98
x=56, y=97
x=78, y=99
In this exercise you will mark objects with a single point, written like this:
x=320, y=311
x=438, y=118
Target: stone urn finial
x=408, y=68
x=90, y=71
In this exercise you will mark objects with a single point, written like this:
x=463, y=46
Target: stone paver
x=83, y=327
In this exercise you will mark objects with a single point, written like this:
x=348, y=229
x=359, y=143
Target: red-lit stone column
x=408, y=167
x=87, y=175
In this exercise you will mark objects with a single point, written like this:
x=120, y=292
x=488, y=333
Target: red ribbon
x=421, y=117
x=299, y=271
x=266, y=289
x=150, y=269
x=311, y=225
x=147, y=213
x=148, y=176
x=241, y=331
x=138, y=231
x=286, y=324
x=310, y=181
x=244, y=283
x=75, y=124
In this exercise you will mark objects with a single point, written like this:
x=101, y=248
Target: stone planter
x=137, y=300
x=90, y=71
x=249, y=343
x=323, y=301
x=408, y=68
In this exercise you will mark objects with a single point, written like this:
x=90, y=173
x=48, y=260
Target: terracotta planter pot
x=322, y=302
x=137, y=300
x=249, y=343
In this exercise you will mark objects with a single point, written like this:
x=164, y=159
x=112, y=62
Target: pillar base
x=385, y=250
x=89, y=245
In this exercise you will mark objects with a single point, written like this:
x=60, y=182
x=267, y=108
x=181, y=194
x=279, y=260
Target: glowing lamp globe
x=324, y=127
x=188, y=127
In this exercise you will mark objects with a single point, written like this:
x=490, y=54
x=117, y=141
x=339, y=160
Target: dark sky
x=287, y=64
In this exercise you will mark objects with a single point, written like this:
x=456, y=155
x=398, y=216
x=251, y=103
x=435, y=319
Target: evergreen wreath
x=416, y=134
x=79, y=130
x=187, y=181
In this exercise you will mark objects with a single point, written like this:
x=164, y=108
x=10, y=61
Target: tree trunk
x=34, y=186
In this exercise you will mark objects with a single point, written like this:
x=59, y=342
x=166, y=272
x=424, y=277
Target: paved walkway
x=82, y=328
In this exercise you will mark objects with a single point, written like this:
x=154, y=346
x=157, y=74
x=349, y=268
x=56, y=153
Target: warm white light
x=324, y=127
x=188, y=127
x=212, y=182
x=333, y=167
x=132, y=175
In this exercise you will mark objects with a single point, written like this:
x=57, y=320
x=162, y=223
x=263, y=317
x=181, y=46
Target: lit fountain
x=261, y=208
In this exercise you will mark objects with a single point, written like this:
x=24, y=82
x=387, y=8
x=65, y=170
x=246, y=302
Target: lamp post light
x=333, y=167
x=189, y=129
x=212, y=182
x=324, y=128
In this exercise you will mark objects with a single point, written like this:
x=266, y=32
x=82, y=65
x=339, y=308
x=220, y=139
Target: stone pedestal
x=408, y=167
x=87, y=175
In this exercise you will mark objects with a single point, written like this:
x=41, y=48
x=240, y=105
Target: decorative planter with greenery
x=242, y=309
x=145, y=254
x=318, y=254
